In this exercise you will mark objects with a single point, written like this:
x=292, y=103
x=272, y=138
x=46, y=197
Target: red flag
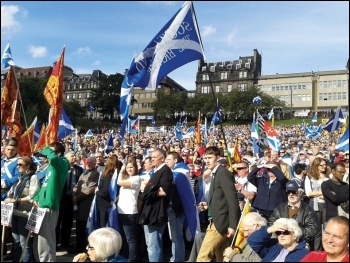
x=269, y=130
x=9, y=95
x=53, y=94
x=26, y=143
x=42, y=141
x=14, y=120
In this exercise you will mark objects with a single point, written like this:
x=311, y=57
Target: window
x=247, y=65
x=204, y=68
x=217, y=89
x=68, y=96
x=148, y=95
x=73, y=96
x=344, y=95
x=238, y=66
x=229, y=87
x=242, y=87
x=80, y=86
x=223, y=75
x=320, y=96
x=79, y=95
x=205, y=77
x=205, y=89
x=339, y=95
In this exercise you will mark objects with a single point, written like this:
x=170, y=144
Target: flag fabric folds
x=313, y=131
x=178, y=132
x=92, y=107
x=8, y=95
x=269, y=115
x=176, y=44
x=239, y=239
x=36, y=130
x=109, y=144
x=65, y=125
x=217, y=117
x=153, y=122
x=113, y=211
x=133, y=125
x=254, y=135
x=343, y=143
x=42, y=141
x=267, y=136
x=7, y=60
x=236, y=154
x=53, y=94
x=88, y=134
x=335, y=122
x=26, y=143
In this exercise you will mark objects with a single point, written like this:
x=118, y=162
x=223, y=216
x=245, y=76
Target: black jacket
x=306, y=218
x=154, y=208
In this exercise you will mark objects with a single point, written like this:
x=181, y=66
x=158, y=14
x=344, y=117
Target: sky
x=291, y=36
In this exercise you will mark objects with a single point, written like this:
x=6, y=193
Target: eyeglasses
x=20, y=164
x=341, y=172
x=241, y=168
x=285, y=233
x=90, y=247
x=292, y=192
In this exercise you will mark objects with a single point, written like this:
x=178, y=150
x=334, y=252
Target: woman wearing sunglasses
x=285, y=248
x=21, y=194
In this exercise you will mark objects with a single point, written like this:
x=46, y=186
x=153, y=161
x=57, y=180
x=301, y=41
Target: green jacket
x=51, y=189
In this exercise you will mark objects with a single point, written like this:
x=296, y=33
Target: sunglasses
x=292, y=192
x=20, y=164
x=241, y=168
x=285, y=233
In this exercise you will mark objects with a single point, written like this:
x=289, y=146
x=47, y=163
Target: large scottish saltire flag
x=267, y=136
x=335, y=122
x=343, y=144
x=65, y=125
x=113, y=211
x=176, y=44
x=7, y=60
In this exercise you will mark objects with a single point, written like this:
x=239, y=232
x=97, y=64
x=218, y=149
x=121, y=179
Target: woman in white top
x=318, y=173
x=129, y=182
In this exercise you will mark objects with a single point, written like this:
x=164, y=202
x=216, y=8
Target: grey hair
x=106, y=242
x=254, y=218
x=292, y=225
x=92, y=159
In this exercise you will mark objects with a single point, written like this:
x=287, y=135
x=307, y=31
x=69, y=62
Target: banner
x=155, y=129
x=6, y=214
x=35, y=219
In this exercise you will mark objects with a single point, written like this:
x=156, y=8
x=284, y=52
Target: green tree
x=168, y=103
x=33, y=101
x=106, y=98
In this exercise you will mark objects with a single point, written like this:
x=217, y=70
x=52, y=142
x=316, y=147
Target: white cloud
x=37, y=52
x=231, y=38
x=84, y=51
x=9, y=23
x=208, y=31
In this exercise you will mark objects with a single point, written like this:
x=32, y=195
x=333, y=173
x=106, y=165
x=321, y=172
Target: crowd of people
x=298, y=198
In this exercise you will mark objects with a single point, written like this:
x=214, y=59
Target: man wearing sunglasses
x=242, y=185
x=300, y=211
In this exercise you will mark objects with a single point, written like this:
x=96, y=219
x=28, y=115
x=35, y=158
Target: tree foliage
x=106, y=97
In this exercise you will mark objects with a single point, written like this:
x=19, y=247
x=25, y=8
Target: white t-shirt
x=246, y=185
x=127, y=203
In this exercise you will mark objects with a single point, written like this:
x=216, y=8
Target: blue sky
x=291, y=36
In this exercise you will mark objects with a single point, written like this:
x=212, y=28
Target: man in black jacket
x=300, y=211
x=66, y=213
x=153, y=213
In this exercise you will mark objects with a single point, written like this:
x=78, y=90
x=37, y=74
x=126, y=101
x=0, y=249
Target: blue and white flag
x=269, y=115
x=178, y=133
x=184, y=123
x=217, y=117
x=254, y=135
x=153, y=122
x=109, y=144
x=314, y=119
x=92, y=107
x=188, y=201
x=7, y=59
x=313, y=131
x=36, y=129
x=37, y=161
x=205, y=131
x=88, y=134
x=335, y=122
x=65, y=126
x=191, y=129
x=274, y=143
x=133, y=125
x=113, y=211
x=176, y=44
x=125, y=101
x=75, y=144
x=343, y=144
x=93, y=221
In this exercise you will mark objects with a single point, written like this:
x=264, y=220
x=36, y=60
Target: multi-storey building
x=229, y=75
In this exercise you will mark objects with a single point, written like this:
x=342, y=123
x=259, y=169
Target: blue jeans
x=154, y=241
x=20, y=233
x=176, y=234
x=129, y=223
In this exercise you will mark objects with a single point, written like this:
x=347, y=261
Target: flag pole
x=247, y=203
